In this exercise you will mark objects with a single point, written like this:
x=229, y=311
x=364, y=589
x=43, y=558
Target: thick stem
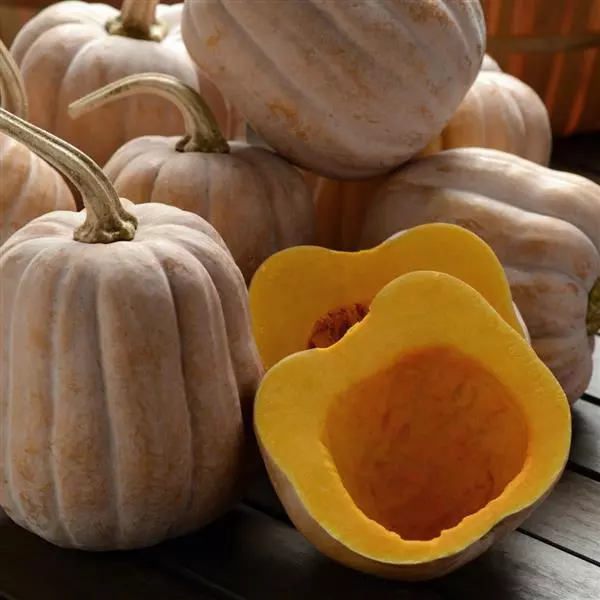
x=138, y=20
x=202, y=132
x=106, y=219
x=593, y=312
x=12, y=86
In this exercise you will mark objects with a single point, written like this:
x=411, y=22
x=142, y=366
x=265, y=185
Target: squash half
x=309, y=296
x=428, y=432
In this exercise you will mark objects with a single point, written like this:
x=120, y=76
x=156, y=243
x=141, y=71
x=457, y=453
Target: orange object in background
x=555, y=48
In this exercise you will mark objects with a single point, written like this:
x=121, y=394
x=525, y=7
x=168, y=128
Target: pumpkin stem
x=202, y=132
x=12, y=86
x=106, y=219
x=593, y=313
x=138, y=20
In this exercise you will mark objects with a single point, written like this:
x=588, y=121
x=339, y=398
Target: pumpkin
x=257, y=201
x=72, y=48
x=29, y=186
x=348, y=90
x=128, y=369
x=501, y=112
x=543, y=225
x=429, y=432
x=308, y=297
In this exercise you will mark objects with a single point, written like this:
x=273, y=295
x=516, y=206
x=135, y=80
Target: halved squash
x=410, y=446
x=308, y=296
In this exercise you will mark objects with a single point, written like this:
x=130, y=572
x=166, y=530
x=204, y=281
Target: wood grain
x=585, y=445
x=258, y=557
x=570, y=517
x=31, y=569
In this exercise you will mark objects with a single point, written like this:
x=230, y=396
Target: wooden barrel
x=553, y=46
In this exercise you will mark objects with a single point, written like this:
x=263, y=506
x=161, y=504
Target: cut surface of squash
x=308, y=296
x=430, y=430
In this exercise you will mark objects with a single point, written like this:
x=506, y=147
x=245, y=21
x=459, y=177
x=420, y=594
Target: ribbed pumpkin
x=544, y=226
x=29, y=186
x=345, y=89
x=128, y=366
x=72, y=48
x=499, y=112
x=257, y=201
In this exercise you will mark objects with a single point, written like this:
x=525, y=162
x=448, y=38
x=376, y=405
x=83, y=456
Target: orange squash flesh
x=429, y=431
x=308, y=296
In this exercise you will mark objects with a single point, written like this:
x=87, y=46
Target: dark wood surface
x=254, y=553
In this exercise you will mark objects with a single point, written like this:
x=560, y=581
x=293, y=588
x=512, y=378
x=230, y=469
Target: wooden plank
x=31, y=569
x=585, y=445
x=570, y=517
x=258, y=557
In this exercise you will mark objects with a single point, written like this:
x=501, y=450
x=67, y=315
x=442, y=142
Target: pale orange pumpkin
x=29, y=186
x=257, y=201
x=543, y=225
x=72, y=48
x=500, y=112
x=128, y=369
x=348, y=90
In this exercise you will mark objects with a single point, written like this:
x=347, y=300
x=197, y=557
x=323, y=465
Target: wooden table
x=254, y=553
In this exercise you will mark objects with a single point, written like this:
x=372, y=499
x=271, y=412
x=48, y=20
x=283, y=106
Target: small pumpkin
x=500, y=112
x=257, y=201
x=428, y=433
x=543, y=225
x=72, y=48
x=29, y=186
x=348, y=90
x=128, y=369
x=308, y=297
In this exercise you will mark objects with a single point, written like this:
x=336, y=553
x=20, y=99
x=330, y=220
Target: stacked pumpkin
x=402, y=205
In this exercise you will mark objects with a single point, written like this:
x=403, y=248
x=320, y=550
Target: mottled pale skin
x=345, y=89
x=29, y=186
x=544, y=226
x=65, y=52
x=129, y=372
x=499, y=112
x=256, y=200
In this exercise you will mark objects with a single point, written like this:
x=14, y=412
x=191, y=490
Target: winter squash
x=308, y=297
x=347, y=90
x=29, y=186
x=72, y=48
x=406, y=451
x=500, y=112
x=543, y=225
x=129, y=368
x=257, y=201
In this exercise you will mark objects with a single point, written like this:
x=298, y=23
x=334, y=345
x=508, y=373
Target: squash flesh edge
x=295, y=397
x=325, y=279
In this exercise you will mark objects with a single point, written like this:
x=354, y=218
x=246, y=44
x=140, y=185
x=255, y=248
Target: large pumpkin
x=345, y=89
x=128, y=368
x=257, y=201
x=29, y=186
x=544, y=226
x=72, y=48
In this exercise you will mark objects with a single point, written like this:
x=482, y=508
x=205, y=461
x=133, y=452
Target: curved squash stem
x=138, y=20
x=202, y=132
x=106, y=219
x=12, y=86
x=593, y=313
